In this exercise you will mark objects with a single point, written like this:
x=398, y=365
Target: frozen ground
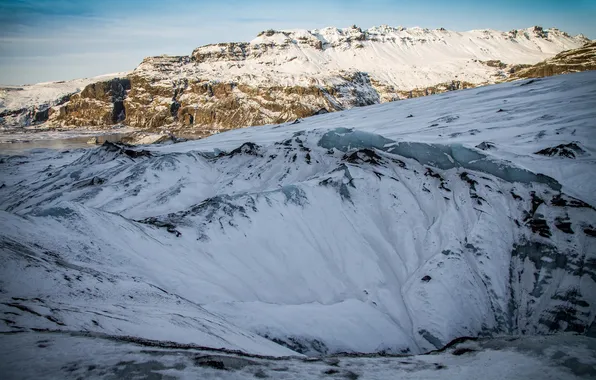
x=74, y=356
x=393, y=228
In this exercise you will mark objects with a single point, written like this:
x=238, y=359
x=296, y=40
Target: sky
x=48, y=40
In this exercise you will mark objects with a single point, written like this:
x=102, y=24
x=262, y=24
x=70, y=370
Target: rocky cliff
x=286, y=75
x=570, y=61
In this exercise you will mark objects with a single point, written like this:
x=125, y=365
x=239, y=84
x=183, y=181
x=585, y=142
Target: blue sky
x=43, y=40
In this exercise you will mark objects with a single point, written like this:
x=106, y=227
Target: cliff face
x=208, y=105
x=570, y=61
x=286, y=75
x=99, y=104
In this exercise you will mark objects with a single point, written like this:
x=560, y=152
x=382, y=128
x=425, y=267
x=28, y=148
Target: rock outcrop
x=569, y=61
x=99, y=104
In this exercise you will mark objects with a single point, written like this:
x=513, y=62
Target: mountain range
x=286, y=75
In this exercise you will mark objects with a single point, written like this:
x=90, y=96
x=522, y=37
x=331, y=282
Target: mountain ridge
x=285, y=75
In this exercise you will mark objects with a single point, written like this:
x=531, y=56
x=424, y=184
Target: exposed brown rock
x=99, y=104
x=569, y=61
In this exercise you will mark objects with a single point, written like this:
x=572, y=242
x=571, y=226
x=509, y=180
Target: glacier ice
x=437, y=155
x=380, y=237
x=344, y=139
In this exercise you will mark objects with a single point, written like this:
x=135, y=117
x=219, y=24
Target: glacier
x=363, y=231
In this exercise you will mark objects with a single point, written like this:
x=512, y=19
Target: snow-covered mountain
x=284, y=75
x=391, y=228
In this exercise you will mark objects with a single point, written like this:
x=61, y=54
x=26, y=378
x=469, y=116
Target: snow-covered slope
x=392, y=228
x=35, y=355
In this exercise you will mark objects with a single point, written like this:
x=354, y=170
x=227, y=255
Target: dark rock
x=529, y=82
x=174, y=107
x=212, y=364
x=125, y=150
x=536, y=202
x=157, y=223
x=94, y=181
x=562, y=200
x=247, y=148
x=430, y=338
x=137, y=153
x=570, y=150
x=485, y=145
x=301, y=345
x=41, y=116
x=563, y=224
x=466, y=177
x=461, y=351
x=431, y=173
x=535, y=220
x=364, y=155
x=455, y=342
x=539, y=225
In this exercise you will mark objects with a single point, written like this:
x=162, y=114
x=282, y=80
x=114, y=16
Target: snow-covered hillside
x=392, y=228
x=59, y=356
